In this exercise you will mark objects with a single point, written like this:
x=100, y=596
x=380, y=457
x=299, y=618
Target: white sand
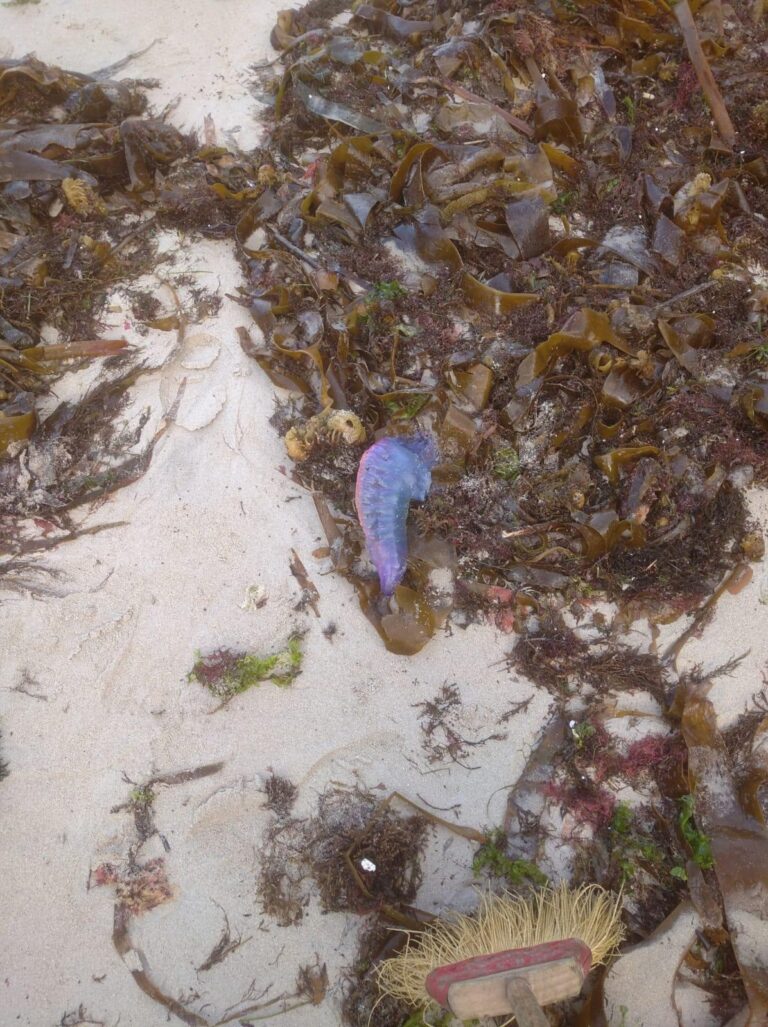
x=657, y=959
x=109, y=656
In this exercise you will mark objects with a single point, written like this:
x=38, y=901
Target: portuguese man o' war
x=392, y=472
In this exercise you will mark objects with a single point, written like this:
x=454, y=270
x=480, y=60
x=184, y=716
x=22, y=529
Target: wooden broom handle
x=527, y=1010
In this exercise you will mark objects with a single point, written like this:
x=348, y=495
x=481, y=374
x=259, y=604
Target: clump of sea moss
x=228, y=672
x=491, y=860
x=281, y=794
x=360, y=854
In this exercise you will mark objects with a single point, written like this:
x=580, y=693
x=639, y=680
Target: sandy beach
x=94, y=692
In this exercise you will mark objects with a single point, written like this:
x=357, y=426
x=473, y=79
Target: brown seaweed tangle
x=466, y=254
x=739, y=842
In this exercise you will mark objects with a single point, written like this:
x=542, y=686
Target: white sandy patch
x=639, y=988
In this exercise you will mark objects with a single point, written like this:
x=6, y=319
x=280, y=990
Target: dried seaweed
x=87, y=180
x=140, y=887
x=554, y=656
x=440, y=737
x=224, y=947
x=738, y=846
x=281, y=795
x=436, y=290
x=360, y=855
x=481, y=266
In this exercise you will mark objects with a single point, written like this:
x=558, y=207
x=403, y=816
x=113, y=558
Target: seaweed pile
x=88, y=179
x=513, y=226
x=517, y=226
x=537, y=231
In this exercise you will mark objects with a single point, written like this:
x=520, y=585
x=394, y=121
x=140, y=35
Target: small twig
x=301, y=254
x=684, y=17
x=182, y=776
x=686, y=294
x=312, y=261
x=109, y=71
x=138, y=230
x=465, y=94
x=441, y=809
x=465, y=832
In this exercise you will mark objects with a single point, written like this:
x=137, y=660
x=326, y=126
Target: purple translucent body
x=392, y=472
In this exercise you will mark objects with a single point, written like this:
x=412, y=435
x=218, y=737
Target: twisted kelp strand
x=392, y=472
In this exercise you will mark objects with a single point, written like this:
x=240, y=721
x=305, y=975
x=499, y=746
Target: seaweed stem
x=703, y=71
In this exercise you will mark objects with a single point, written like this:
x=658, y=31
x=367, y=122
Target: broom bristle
x=502, y=922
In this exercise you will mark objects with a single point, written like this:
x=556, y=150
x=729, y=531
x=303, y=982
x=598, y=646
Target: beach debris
x=79, y=1017
x=527, y=234
x=255, y=598
x=517, y=232
x=224, y=947
x=229, y=672
x=141, y=801
x=357, y=852
x=139, y=887
x=472, y=259
x=440, y=721
x=281, y=794
x=309, y=594
x=327, y=851
x=588, y=356
x=733, y=840
x=393, y=472
x=331, y=426
x=76, y=223
x=142, y=886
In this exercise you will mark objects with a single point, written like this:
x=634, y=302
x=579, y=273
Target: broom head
x=552, y=938
x=476, y=987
